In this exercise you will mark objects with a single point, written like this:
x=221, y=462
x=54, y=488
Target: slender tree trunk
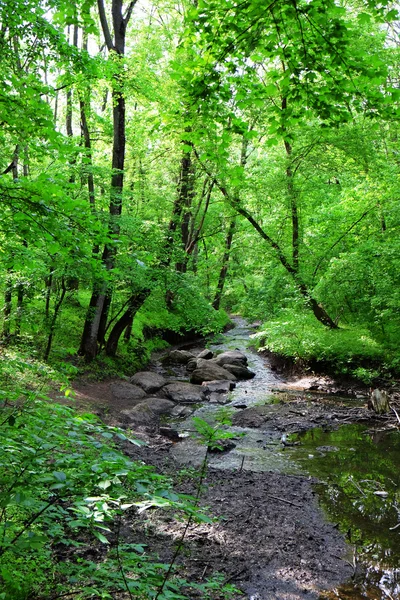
x=49, y=284
x=293, y=210
x=7, y=306
x=224, y=268
x=125, y=321
x=95, y=324
x=54, y=319
x=229, y=238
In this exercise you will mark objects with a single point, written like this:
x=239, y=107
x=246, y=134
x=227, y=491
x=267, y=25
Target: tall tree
x=96, y=319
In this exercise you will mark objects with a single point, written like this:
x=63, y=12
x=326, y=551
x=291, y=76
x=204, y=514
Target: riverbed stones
x=160, y=406
x=240, y=371
x=185, y=393
x=255, y=416
x=219, y=387
x=147, y=413
x=191, y=365
x=180, y=356
x=150, y=382
x=206, y=354
x=208, y=370
x=127, y=392
x=231, y=357
x=181, y=411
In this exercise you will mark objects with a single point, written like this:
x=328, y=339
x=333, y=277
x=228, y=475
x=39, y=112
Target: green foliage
x=65, y=484
x=300, y=337
x=212, y=435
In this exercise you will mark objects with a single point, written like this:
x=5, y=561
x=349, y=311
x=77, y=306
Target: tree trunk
x=54, y=319
x=96, y=317
x=125, y=321
x=7, y=307
x=224, y=268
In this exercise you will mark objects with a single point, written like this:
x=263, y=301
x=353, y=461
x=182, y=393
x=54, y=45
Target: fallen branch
x=396, y=413
x=285, y=501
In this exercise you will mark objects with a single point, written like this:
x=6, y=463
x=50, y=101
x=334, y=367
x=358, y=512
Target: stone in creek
x=191, y=365
x=185, y=393
x=150, y=382
x=147, y=412
x=209, y=371
x=231, y=357
x=255, y=416
x=180, y=356
x=169, y=433
x=127, y=392
x=206, y=354
x=219, y=387
x=239, y=371
x=181, y=411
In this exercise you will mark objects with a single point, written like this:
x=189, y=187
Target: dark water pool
x=359, y=471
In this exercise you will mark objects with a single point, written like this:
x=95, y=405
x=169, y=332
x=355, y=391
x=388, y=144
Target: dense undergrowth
x=349, y=350
x=65, y=489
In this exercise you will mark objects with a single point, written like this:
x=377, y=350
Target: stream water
x=357, y=469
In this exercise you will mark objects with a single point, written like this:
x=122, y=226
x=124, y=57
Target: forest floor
x=268, y=536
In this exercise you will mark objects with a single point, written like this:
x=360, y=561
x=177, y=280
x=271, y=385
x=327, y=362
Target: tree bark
x=54, y=319
x=95, y=324
x=224, y=268
x=136, y=301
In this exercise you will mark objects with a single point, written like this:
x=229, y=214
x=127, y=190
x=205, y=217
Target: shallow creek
x=357, y=468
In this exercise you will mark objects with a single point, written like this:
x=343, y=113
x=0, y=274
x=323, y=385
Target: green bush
x=299, y=336
x=64, y=483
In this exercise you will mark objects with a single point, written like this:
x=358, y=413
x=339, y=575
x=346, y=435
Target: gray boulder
x=181, y=411
x=180, y=356
x=219, y=387
x=191, y=365
x=160, y=406
x=209, y=371
x=206, y=354
x=127, y=392
x=240, y=371
x=147, y=413
x=185, y=393
x=139, y=416
x=150, y=382
x=231, y=357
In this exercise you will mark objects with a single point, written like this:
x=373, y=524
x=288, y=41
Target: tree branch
x=128, y=13
x=104, y=25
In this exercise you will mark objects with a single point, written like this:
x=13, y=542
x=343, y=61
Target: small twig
x=204, y=571
x=241, y=466
x=234, y=575
x=357, y=486
x=396, y=413
x=395, y=527
x=285, y=501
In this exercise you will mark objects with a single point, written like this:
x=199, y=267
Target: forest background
x=165, y=164
x=158, y=160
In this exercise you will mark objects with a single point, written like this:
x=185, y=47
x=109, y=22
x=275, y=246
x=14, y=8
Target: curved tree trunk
x=125, y=321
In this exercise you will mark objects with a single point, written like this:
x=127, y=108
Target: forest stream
x=356, y=464
x=296, y=451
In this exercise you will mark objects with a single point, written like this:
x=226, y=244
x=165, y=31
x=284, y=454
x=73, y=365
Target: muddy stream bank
x=307, y=502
